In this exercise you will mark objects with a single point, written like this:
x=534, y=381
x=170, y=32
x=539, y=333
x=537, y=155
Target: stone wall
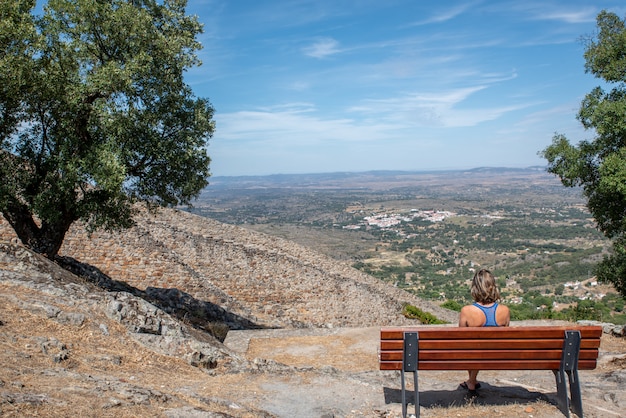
x=268, y=280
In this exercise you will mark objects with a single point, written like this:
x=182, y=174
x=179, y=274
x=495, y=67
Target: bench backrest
x=487, y=348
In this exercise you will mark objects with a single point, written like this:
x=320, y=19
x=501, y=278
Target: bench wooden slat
x=487, y=355
x=515, y=348
x=491, y=365
x=488, y=344
x=454, y=333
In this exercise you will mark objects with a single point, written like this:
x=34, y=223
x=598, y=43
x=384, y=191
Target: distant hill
x=366, y=179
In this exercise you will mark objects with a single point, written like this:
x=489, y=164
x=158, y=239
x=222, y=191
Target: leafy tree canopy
x=95, y=115
x=599, y=165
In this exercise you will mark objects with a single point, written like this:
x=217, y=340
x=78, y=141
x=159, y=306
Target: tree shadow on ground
x=199, y=314
x=487, y=395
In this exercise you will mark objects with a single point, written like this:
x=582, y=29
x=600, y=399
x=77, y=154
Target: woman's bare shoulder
x=467, y=308
x=471, y=316
x=503, y=315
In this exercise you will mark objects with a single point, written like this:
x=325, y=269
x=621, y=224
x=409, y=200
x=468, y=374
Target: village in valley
x=389, y=220
x=399, y=224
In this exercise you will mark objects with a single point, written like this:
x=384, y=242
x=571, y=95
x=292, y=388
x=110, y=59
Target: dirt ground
x=353, y=353
x=93, y=368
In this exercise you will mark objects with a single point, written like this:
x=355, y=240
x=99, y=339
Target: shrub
x=453, y=305
x=414, y=312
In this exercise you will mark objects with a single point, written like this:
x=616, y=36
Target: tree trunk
x=45, y=239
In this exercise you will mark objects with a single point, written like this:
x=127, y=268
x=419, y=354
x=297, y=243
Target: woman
x=484, y=312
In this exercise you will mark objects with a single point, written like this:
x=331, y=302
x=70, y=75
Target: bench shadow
x=201, y=315
x=487, y=395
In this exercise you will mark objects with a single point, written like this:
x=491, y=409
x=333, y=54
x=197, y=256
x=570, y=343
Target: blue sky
x=311, y=86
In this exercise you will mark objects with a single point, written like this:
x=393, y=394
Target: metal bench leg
x=574, y=387
x=561, y=392
x=569, y=366
x=403, y=393
x=417, y=396
x=409, y=359
x=416, y=399
x=569, y=363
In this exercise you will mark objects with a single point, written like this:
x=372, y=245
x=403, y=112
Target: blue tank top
x=490, y=314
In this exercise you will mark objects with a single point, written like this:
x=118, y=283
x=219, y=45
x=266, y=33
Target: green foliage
x=613, y=268
x=559, y=290
x=599, y=165
x=453, y=305
x=414, y=312
x=619, y=319
x=588, y=310
x=525, y=311
x=614, y=302
x=95, y=114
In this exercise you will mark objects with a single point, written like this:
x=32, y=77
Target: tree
x=599, y=165
x=95, y=115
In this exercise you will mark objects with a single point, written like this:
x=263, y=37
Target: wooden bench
x=562, y=349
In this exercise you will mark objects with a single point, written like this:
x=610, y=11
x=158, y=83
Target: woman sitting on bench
x=484, y=312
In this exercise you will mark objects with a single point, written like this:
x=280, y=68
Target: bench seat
x=561, y=349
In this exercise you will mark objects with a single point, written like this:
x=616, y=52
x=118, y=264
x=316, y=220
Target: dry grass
x=536, y=409
x=103, y=375
x=115, y=376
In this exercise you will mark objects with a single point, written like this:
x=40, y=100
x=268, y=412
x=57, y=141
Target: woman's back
x=474, y=316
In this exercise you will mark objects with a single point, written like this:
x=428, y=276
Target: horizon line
x=434, y=170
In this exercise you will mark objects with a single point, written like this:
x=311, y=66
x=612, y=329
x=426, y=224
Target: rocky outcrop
x=66, y=299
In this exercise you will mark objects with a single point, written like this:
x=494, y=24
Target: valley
x=426, y=232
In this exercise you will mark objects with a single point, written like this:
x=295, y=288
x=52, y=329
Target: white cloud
x=441, y=109
x=294, y=123
x=548, y=116
x=446, y=15
x=298, y=86
x=549, y=11
x=578, y=16
x=322, y=48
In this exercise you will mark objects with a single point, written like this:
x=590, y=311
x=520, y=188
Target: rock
x=607, y=328
x=104, y=329
x=619, y=330
x=140, y=316
x=71, y=318
x=57, y=351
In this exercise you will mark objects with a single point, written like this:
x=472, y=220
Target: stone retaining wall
x=265, y=279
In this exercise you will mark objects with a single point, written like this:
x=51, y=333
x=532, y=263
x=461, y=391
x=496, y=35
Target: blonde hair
x=484, y=289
